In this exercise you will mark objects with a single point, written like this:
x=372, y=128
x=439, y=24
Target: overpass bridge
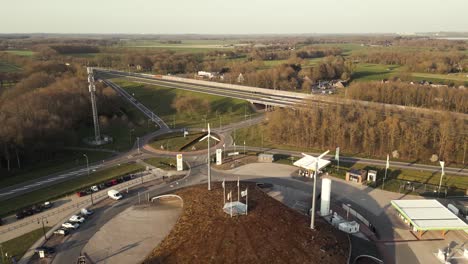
x=263, y=96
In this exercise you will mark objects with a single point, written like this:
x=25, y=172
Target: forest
x=357, y=129
x=43, y=111
x=401, y=93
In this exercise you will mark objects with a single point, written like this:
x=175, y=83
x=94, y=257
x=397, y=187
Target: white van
x=113, y=194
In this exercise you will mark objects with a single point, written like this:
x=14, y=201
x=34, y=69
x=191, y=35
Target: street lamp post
x=138, y=145
x=87, y=162
x=131, y=130
x=43, y=226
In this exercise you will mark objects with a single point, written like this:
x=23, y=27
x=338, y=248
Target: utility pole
x=138, y=145
x=87, y=162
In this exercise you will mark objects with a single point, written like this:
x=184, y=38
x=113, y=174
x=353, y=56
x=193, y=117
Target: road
x=268, y=96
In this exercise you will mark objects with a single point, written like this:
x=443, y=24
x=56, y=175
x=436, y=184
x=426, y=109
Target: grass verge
x=159, y=99
x=16, y=247
x=67, y=187
x=64, y=160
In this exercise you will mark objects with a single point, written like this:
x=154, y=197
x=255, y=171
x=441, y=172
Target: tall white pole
x=312, y=214
x=209, y=164
x=238, y=189
x=247, y=201
x=224, y=192
x=442, y=173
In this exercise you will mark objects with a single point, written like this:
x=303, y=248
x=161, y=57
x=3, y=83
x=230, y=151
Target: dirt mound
x=270, y=233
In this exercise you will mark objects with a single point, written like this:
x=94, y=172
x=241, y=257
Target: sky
x=232, y=17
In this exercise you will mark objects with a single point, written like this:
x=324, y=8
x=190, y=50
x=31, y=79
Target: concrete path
x=130, y=236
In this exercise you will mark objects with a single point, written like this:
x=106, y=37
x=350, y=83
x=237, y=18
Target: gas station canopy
x=308, y=163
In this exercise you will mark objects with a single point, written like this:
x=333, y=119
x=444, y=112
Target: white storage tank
x=325, y=198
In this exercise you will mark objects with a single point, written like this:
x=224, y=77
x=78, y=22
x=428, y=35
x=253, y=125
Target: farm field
x=6, y=67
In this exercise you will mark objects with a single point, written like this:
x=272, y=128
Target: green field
x=374, y=72
x=64, y=160
x=6, y=67
x=159, y=99
x=18, y=246
x=67, y=187
x=25, y=53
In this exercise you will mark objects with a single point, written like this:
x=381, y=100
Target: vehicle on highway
x=115, y=195
x=86, y=212
x=76, y=219
x=36, y=209
x=68, y=225
x=94, y=188
x=127, y=177
x=47, y=250
x=62, y=232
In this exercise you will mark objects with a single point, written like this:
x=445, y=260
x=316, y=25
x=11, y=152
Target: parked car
x=119, y=180
x=47, y=205
x=127, y=177
x=76, y=219
x=80, y=194
x=47, y=250
x=1, y=221
x=102, y=186
x=62, y=232
x=115, y=195
x=94, y=188
x=68, y=225
x=86, y=212
x=36, y=209
x=114, y=182
x=20, y=215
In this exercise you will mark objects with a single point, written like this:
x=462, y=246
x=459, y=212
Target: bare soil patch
x=270, y=233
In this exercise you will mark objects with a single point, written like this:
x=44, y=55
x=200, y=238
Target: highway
x=264, y=96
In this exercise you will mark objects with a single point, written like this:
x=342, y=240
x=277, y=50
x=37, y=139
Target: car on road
x=94, y=188
x=47, y=250
x=115, y=195
x=62, y=232
x=76, y=219
x=68, y=225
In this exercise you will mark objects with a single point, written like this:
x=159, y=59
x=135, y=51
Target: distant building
x=209, y=75
x=265, y=158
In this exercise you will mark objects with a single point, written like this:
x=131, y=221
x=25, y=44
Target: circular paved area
x=131, y=235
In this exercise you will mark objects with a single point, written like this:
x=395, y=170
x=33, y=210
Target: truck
x=114, y=194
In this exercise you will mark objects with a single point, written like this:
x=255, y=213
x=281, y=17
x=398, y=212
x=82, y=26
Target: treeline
x=440, y=98
x=292, y=75
x=417, y=61
x=356, y=129
x=77, y=49
x=44, y=111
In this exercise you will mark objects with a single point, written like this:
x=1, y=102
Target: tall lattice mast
x=92, y=91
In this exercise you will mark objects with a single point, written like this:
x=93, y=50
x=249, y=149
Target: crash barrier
x=95, y=197
x=167, y=196
x=354, y=213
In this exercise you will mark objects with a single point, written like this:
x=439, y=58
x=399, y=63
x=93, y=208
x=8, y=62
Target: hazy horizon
x=243, y=17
